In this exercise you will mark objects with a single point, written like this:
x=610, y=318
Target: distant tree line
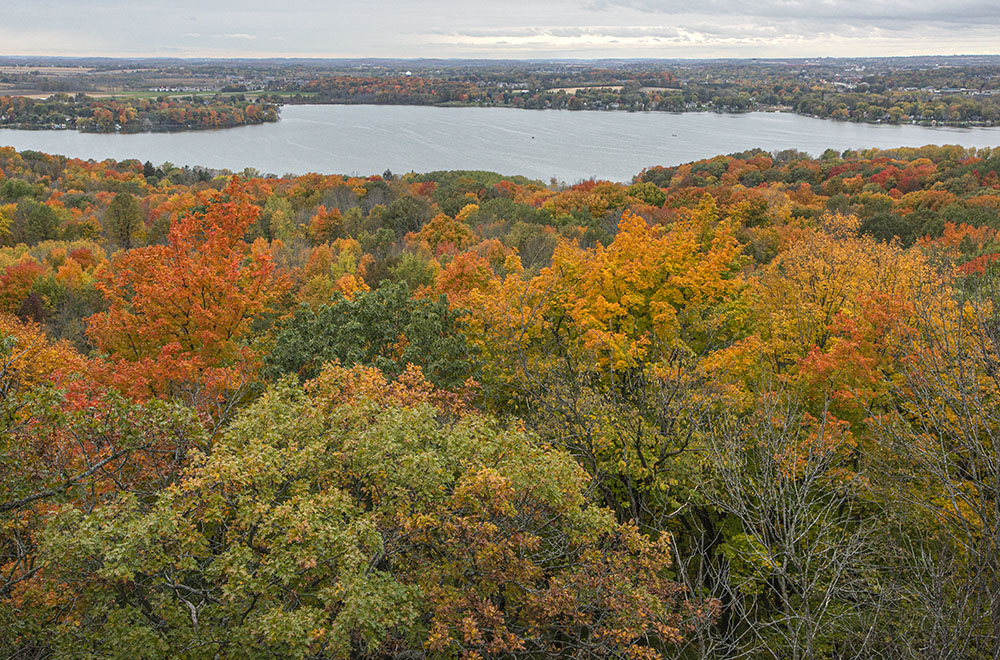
x=962, y=96
x=99, y=115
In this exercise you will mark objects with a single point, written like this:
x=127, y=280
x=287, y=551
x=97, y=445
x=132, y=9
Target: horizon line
x=328, y=58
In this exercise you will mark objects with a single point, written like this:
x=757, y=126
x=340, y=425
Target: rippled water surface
x=361, y=139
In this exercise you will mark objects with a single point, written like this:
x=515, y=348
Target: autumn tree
x=831, y=314
x=180, y=315
x=340, y=526
x=601, y=350
x=66, y=442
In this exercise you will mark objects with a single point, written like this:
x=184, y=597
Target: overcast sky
x=505, y=29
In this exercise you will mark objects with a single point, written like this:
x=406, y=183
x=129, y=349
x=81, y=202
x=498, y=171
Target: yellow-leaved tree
x=601, y=349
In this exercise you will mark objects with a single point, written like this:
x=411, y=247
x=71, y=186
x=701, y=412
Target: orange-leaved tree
x=180, y=314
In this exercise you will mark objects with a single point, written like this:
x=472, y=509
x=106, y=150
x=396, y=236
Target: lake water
x=570, y=146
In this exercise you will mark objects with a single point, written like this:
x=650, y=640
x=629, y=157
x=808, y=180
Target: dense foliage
x=744, y=407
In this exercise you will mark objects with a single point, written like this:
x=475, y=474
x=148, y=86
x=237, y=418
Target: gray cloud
x=504, y=28
x=857, y=12
x=570, y=32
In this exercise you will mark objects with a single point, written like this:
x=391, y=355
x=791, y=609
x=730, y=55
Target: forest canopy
x=741, y=407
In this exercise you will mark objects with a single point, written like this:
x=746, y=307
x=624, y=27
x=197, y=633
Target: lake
x=570, y=146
